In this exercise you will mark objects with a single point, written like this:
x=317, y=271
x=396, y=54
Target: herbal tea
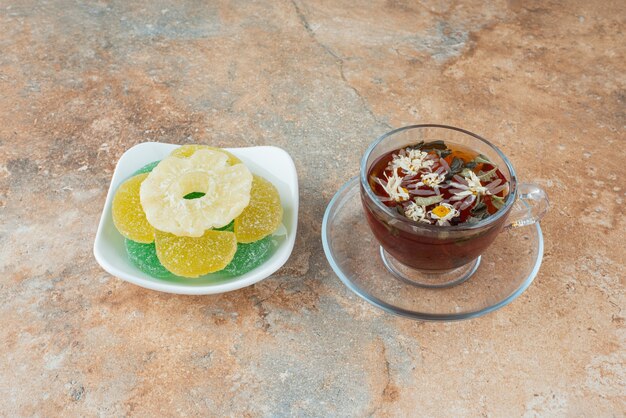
x=439, y=184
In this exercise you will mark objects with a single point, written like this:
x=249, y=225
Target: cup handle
x=530, y=206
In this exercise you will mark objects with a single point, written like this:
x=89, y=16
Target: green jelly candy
x=249, y=256
x=144, y=257
x=230, y=227
x=147, y=168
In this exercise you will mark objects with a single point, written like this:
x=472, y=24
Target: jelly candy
x=262, y=216
x=144, y=257
x=193, y=257
x=147, y=168
x=187, y=151
x=128, y=216
x=249, y=256
x=230, y=227
x=163, y=193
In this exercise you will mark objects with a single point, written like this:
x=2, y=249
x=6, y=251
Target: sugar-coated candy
x=144, y=257
x=249, y=256
x=188, y=150
x=226, y=188
x=230, y=227
x=147, y=168
x=263, y=214
x=195, y=256
x=128, y=215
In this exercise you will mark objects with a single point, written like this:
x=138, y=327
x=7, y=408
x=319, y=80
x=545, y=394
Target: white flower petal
x=499, y=188
x=467, y=202
x=493, y=184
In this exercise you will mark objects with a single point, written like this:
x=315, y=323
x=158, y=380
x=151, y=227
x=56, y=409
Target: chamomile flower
x=416, y=212
x=467, y=189
x=393, y=187
x=443, y=213
x=430, y=183
x=413, y=161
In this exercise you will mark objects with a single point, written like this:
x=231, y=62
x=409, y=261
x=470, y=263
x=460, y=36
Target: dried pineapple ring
x=128, y=217
x=262, y=216
x=226, y=188
x=193, y=257
x=187, y=151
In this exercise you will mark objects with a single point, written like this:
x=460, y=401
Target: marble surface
x=81, y=82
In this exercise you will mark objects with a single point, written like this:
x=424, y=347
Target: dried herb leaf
x=465, y=172
x=479, y=207
x=485, y=176
x=482, y=159
x=471, y=164
x=480, y=215
x=432, y=145
x=426, y=201
x=457, y=165
x=497, y=201
x=419, y=145
x=479, y=210
x=455, y=168
x=443, y=153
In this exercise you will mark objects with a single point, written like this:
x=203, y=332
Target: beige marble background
x=81, y=82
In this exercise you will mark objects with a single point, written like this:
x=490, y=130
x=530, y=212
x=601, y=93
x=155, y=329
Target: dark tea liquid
x=435, y=250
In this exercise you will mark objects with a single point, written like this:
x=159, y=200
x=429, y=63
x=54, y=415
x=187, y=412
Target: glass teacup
x=440, y=256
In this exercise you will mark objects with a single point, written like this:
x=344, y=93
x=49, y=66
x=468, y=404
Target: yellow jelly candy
x=187, y=151
x=128, y=216
x=263, y=214
x=193, y=257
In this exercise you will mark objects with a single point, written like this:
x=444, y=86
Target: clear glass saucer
x=506, y=269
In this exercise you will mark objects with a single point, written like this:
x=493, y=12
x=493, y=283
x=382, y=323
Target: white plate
x=272, y=163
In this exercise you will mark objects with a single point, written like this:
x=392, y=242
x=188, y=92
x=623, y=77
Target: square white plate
x=272, y=163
